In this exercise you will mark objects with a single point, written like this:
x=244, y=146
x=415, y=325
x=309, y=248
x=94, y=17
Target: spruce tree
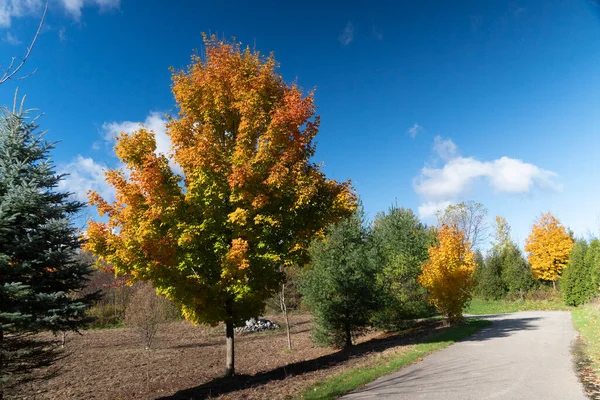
x=339, y=286
x=39, y=274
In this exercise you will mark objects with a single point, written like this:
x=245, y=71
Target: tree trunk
x=285, y=314
x=230, y=362
x=348, y=336
x=554, y=285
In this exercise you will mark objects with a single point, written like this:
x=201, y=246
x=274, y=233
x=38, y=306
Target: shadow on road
x=418, y=334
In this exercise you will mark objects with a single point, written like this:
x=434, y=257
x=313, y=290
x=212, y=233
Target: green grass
x=351, y=379
x=586, y=319
x=481, y=307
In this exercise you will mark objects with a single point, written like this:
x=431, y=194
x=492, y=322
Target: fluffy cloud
x=415, y=130
x=505, y=175
x=84, y=174
x=154, y=122
x=10, y=9
x=347, y=35
x=439, y=186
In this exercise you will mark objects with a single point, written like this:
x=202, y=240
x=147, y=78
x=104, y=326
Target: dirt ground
x=186, y=362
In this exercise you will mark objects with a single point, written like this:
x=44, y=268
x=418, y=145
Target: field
x=187, y=361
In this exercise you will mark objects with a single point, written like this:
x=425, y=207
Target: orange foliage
x=448, y=274
x=249, y=200
x=548, y=246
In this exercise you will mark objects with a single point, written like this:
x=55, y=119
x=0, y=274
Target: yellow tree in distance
x=548, y=246
x=249, y=202
x=448, y=274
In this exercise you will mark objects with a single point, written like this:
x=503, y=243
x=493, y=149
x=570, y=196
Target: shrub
x=146, y=311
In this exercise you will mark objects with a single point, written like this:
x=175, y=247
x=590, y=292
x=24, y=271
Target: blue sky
x=422, y=103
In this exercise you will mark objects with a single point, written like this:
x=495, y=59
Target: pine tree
x=39, y=273
x=339, y=286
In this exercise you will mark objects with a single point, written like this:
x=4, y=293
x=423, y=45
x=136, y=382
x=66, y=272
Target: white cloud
x=505, y=175
x=62, y=34
x=10, y=9
x=445, y=148
x=11, y=39
x=75, y=7
x=347, y=35
x=154, y=122
x=415, y=130
x=429, y=209
x=84, y=175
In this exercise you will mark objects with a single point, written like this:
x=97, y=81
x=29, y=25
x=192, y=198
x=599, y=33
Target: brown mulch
x=187, y=361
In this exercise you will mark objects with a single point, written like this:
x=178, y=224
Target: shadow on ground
x=418, y=334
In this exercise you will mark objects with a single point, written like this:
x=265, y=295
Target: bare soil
x=187, y=361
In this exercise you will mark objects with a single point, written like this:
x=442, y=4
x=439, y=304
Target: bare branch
x=11, y=71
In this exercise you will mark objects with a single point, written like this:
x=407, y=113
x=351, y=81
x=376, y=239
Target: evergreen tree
x=339, y=286
x=489, y=284
x=401, y=242
x=576, y=283
x=516, y=274
x=593, y=261
x=39, y=273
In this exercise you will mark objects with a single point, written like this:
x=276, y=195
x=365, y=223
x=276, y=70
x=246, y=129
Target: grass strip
x=586, y=320
x=482, y=307
x=351, y=379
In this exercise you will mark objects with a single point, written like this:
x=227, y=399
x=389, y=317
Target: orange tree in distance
x=448, y=274
x=548, y=246
x=250, y=199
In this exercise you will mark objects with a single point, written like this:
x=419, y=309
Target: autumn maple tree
x=250, y=199
x=448, y=274
x=548, y=245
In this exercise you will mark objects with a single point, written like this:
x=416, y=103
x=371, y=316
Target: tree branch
x=11, y=71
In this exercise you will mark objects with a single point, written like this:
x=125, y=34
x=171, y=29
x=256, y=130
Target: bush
x=146, y=311
x=339, y=286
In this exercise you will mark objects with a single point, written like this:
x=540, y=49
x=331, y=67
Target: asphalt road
x=523, y=355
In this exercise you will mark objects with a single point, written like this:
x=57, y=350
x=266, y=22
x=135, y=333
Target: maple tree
x=448, y=274
x=250, y=199
x=548, y=245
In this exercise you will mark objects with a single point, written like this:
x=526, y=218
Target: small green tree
x=339, y=286
x=489, y=284
x=40, y=275
x=576, y=283
x=401, y=242
x=516, y=274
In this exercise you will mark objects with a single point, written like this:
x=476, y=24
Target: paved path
x=523, y=355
